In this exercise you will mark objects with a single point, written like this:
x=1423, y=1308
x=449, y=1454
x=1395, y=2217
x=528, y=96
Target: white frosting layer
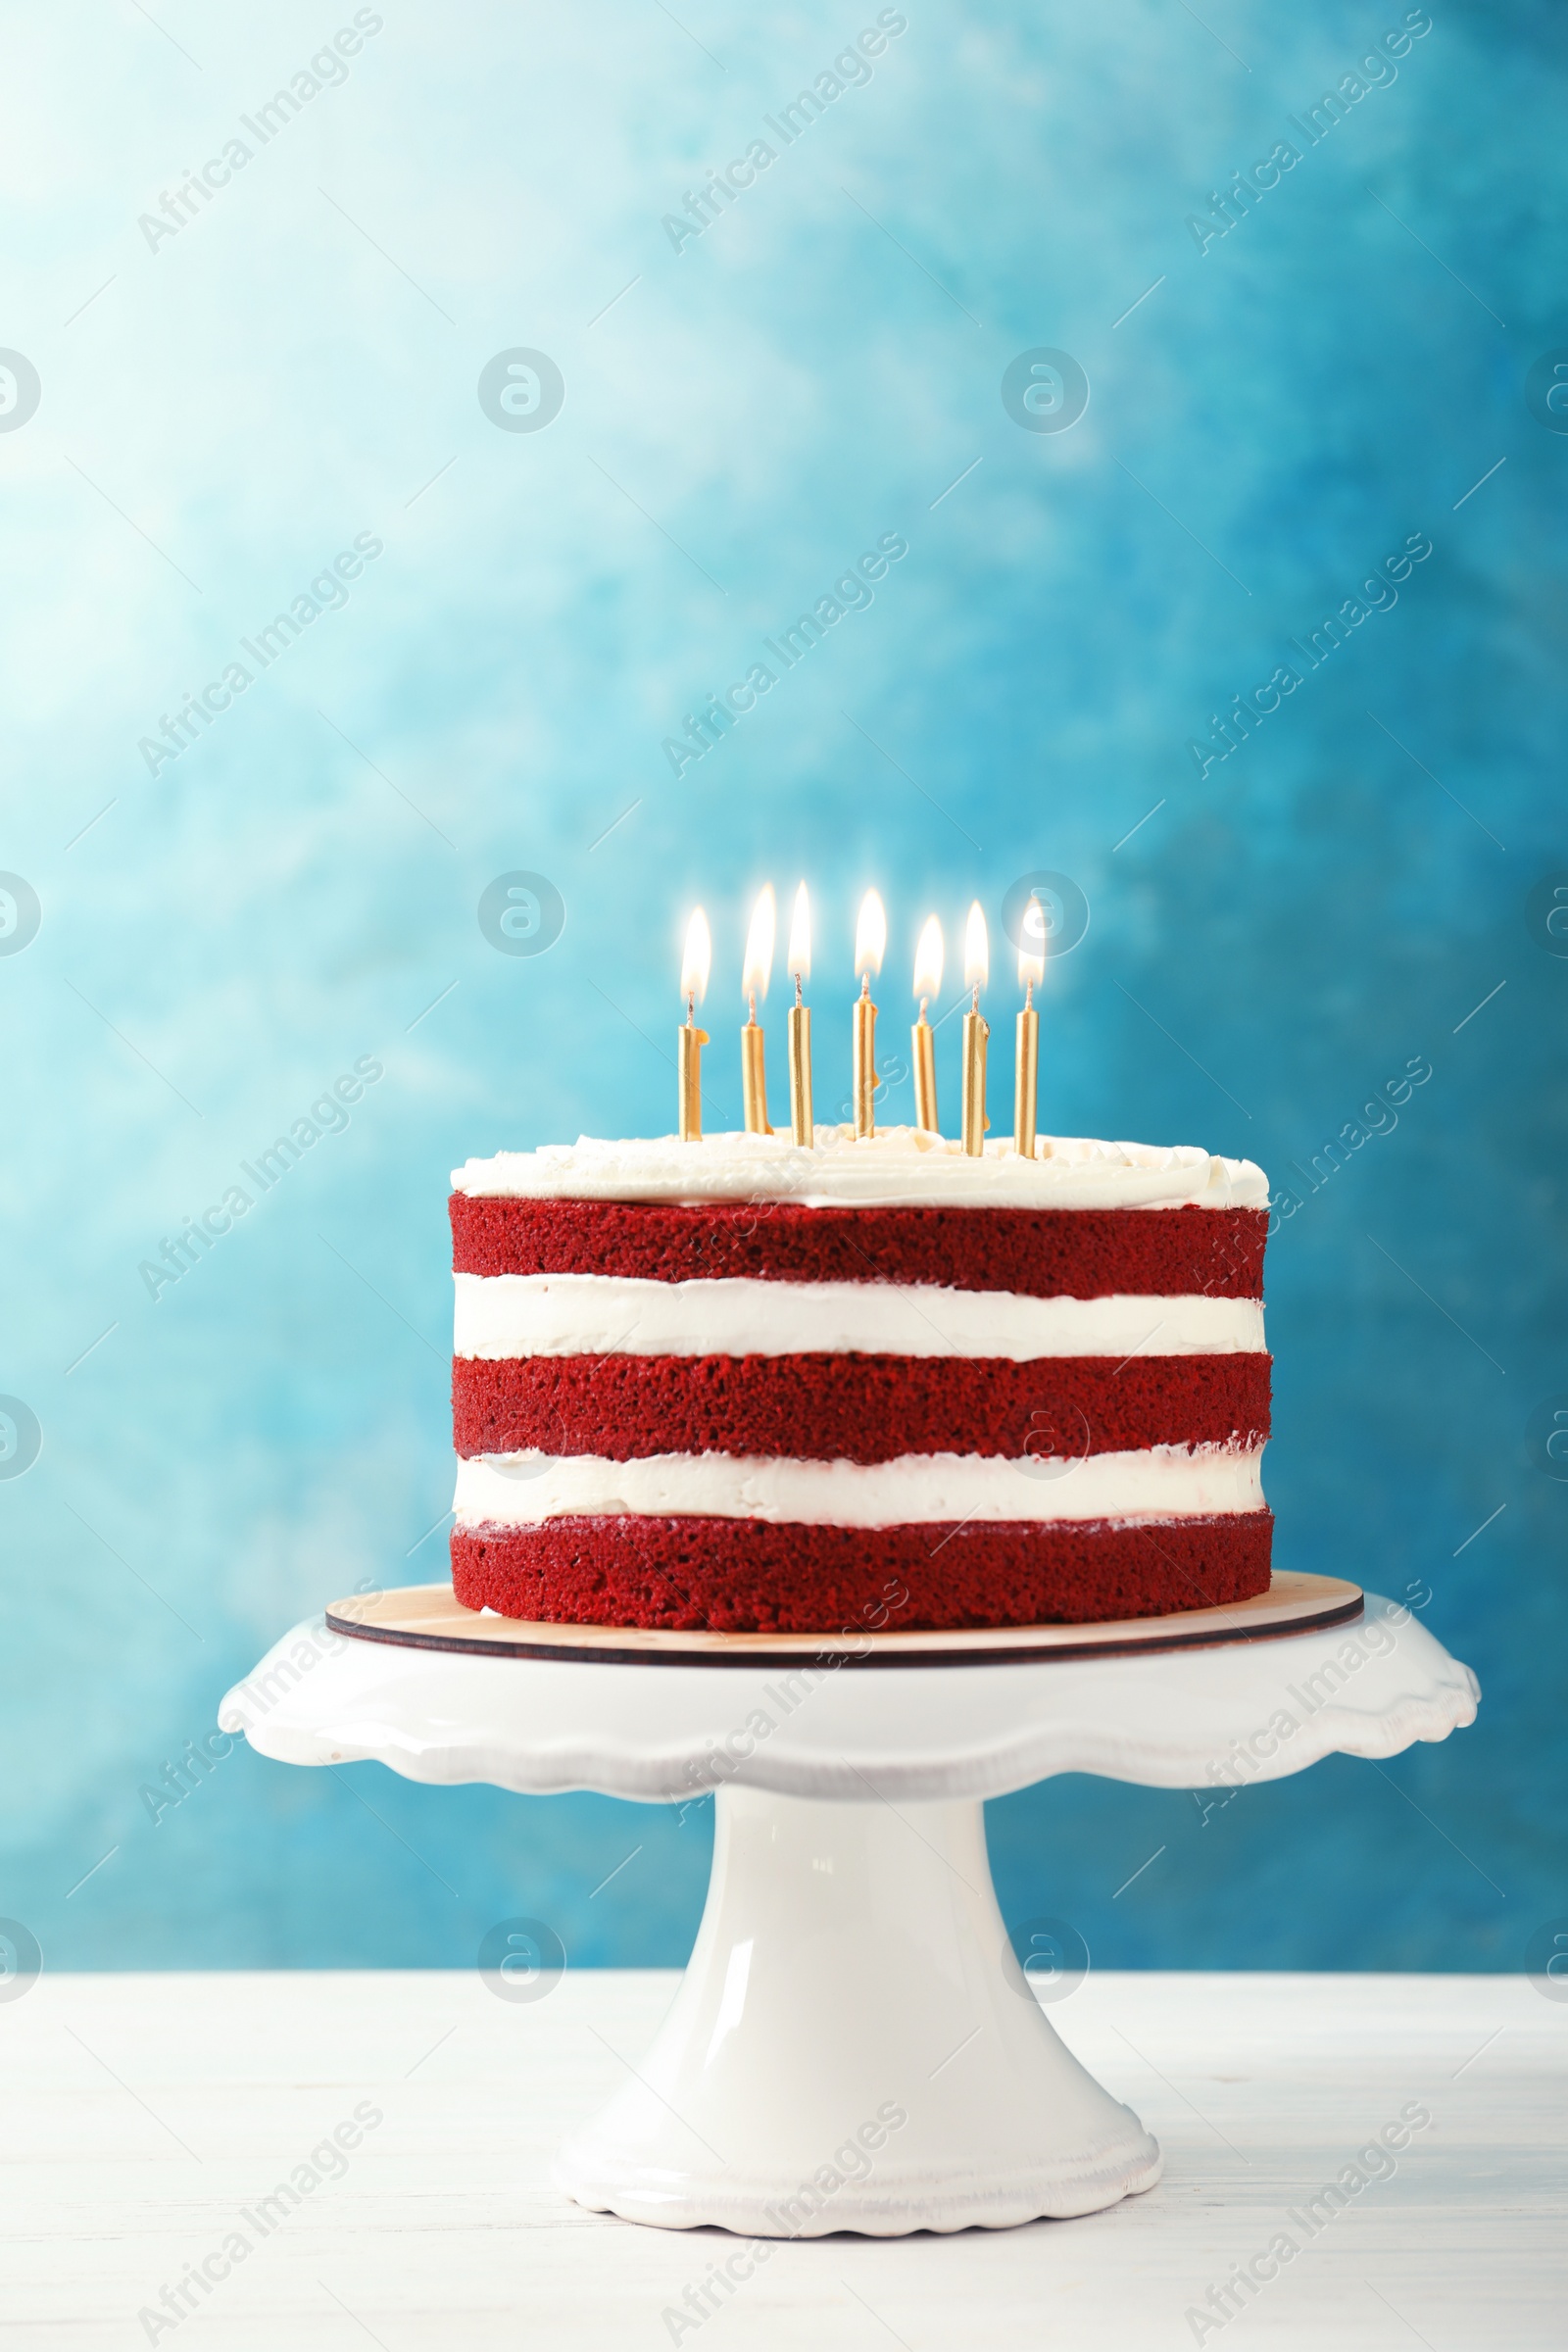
x=1162, y=1481
x=501, y=1315
x=899, y=1166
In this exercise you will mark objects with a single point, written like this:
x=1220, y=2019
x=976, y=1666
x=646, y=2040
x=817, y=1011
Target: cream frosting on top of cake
x=898, y=1167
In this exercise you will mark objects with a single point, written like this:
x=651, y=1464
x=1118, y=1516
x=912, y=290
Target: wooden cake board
x=431, y=1617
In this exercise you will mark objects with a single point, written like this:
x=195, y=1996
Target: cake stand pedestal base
x=855, y=2047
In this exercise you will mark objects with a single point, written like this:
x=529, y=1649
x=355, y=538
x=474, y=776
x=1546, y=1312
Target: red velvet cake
x=739, y=1385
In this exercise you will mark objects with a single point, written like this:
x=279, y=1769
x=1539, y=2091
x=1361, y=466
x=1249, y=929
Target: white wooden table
x=146, y=2117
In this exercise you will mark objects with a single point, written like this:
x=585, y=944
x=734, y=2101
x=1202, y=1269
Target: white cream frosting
x=501, y=1315
x=901, y=1166
x=1162, y=1482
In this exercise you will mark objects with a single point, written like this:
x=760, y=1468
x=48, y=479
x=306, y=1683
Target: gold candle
x=1026, y=1070
x=756, y=972
x=976, y=970
x=1026, y=1078
x=870, y=946
x=922, y=1037
x=753, y=1080
x=689, y=1039
x=800, y=1024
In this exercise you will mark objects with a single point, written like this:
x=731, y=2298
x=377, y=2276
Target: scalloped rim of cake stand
x=431, y=1617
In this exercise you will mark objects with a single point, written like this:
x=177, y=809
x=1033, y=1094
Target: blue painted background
x=227, y=407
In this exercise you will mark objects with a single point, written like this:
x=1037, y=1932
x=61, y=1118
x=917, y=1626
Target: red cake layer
x=856, y=1409
x=1040, y=1254
x=747, y=1575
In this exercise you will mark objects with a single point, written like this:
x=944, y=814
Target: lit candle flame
x=870, y=935
x=976, y=949
x=758, y=968
x=928, y=961
x=698, y=960
x=799, y=955
x=1032, y=945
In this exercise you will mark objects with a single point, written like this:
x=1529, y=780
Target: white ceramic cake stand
x=853, y=2046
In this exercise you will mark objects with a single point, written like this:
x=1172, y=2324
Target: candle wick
x=1028, y=994
x=974, y=1001
x=797, y=988
x=924, y=1002
x=865, y=984
x=751, y=1008
x=690, y=1008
